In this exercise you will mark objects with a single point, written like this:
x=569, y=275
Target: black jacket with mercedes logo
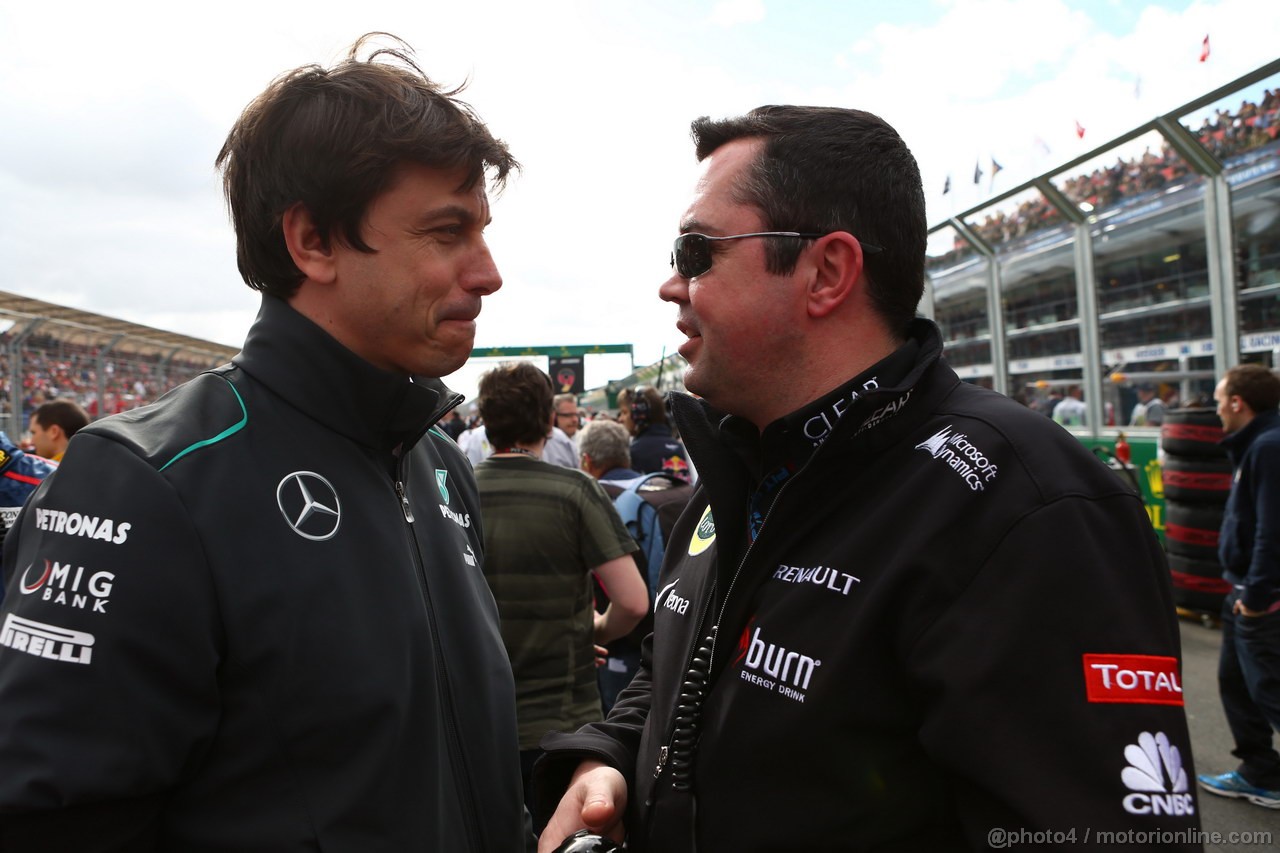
x=954, y=622
x=251, y=617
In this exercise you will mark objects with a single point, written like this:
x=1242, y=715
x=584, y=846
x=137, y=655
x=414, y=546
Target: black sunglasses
x=691, y=254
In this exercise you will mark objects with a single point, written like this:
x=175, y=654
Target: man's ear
x=312, y=254
x=837, y=272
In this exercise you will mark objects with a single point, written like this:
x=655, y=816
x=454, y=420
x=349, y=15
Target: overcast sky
x=114, y=112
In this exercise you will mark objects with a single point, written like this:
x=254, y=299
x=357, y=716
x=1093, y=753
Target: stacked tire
x=1197, y=481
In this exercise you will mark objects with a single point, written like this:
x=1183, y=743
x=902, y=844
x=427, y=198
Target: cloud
x=731, y=13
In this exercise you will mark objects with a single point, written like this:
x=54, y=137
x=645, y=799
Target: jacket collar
x=873, y=418
x=1236, y=443
x=313, y=372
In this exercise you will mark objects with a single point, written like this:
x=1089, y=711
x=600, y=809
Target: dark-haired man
x=251, y=615
x=52, y=425
x=852, y=650
x=1249, y=548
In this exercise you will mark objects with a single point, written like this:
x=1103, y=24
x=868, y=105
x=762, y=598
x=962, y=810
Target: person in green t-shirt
x=547, y=528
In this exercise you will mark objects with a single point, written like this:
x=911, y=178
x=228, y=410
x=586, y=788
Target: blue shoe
x=1234, y=785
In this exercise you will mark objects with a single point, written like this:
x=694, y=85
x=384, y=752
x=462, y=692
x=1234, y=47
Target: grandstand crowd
x=1225, y=134
x=52, y=368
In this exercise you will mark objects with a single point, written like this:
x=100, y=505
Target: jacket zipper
x=664, y=752
x=724, y=605
x=461, y=778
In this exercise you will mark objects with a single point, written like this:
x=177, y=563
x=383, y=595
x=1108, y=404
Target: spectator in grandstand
x=849, y=591
x=642, y=410
x=546, y=531
x=1149, y=410
x=300, y=651
x=52, y=426
x=1071, y=410
x=1249, y=668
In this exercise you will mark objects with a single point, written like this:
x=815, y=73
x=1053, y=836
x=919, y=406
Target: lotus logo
x=310, y=505
x=703, y=535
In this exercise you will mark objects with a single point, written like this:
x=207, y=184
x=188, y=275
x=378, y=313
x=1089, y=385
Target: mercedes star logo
x=310, y=504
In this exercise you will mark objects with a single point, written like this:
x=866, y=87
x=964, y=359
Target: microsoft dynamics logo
x=1156, y=776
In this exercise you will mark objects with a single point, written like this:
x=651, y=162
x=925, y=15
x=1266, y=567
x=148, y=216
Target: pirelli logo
x=46, y=641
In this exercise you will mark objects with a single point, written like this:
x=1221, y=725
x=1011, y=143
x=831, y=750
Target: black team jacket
x=953, y=629
x=251, y=617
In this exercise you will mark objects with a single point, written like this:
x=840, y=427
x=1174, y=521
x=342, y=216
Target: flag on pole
x=1079, y=130
x=946, y=188
x=995, y=170
x=1204, y=49
x=977, y=172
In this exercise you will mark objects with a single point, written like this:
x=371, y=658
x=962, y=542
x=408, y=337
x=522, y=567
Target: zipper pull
x=662, y=761
x=404, y=502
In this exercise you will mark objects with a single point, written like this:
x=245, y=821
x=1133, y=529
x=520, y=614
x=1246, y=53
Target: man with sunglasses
x=853, y=648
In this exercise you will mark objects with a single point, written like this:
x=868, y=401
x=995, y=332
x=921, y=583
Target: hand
x=1240, y=609
x=602, y=656
x=596, y=800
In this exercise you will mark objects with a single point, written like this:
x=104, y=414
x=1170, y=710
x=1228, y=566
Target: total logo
x=79, y=524
x=1157, y=778
x=955, y=449
x=772, y=667
x=58, y=585
x=1133, y=679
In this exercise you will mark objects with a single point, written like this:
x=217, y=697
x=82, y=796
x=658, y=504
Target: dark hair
x=515, y=404
x=825, y=169
x=333, y=140
x=63, y=413
x=646, y=406
x=1256, y=384
x=607, y=443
